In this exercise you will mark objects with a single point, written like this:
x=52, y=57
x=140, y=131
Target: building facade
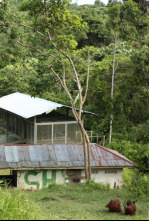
x=37, y=166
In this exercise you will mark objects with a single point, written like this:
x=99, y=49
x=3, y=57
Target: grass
x=79, y=202
x=15, y=206
x=84, y=202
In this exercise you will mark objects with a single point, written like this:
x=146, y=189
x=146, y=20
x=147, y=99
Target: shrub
x=138, y=153
x=137, y=183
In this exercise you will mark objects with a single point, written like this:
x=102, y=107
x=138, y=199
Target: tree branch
x=34, y=30
x=28, y=46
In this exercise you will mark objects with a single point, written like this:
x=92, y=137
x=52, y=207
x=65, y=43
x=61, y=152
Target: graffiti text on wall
x=45, y=180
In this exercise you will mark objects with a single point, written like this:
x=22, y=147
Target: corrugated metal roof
x=26, y=106
x=21, y=157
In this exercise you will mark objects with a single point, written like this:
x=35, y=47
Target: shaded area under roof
x=26, y=106
x=65, y=156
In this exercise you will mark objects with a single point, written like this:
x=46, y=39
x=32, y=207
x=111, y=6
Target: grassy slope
x=82, y=202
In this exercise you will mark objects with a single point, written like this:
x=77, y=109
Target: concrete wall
x=41, y=179
x=113, y=177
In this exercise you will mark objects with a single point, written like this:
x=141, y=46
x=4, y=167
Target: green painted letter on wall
x=31, y=173
x=46, y=181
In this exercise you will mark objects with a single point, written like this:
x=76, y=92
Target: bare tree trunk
x=86, y=145
x=85, y=153
x=112, y=91
x=89, y=157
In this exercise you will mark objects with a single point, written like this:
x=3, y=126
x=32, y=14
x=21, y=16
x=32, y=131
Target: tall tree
x=129, y=23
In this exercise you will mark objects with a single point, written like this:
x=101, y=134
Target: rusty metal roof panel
x=11, y=154
x=70, y=153
x=94, y=154
x=58, y=156
x=61, y=153
x=51, y=151
x=23, y=154
x=38, y=153
x=2, y=155
x=80, y=152
x=99, y=153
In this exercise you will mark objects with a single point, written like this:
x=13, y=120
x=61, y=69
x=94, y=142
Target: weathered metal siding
x=58, y=156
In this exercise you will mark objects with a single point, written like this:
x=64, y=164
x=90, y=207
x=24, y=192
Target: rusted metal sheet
x=11, y=154
x=59, y=156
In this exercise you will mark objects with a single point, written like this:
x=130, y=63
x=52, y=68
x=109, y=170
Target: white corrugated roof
x=26, y=106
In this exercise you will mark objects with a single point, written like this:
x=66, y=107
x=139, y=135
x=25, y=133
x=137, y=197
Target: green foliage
x=127, y=19
x=95, y=33
x=140, y=134
x=137, y=183
x=53, y=17
x=15, y=206
x=138, y=153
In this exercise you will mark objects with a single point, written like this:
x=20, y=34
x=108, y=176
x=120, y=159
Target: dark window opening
x=9, y=180
x=76, y=181
x=74, y=176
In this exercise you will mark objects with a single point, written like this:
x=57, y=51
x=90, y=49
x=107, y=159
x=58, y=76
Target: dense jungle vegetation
x=77, y=29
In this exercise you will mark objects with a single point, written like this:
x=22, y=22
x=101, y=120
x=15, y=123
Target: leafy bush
x=140, y=133
x=137, y=183
x=138, y=153
x=14, y=206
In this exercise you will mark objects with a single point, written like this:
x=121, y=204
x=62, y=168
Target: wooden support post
x=91, y=136
x=97, y=138
x=104, y=140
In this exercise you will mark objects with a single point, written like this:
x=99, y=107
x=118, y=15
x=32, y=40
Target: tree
x=52, y=23
x=129, y=23
x=95, y=33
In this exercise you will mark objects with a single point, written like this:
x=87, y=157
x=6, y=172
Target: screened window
x=59, y=133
